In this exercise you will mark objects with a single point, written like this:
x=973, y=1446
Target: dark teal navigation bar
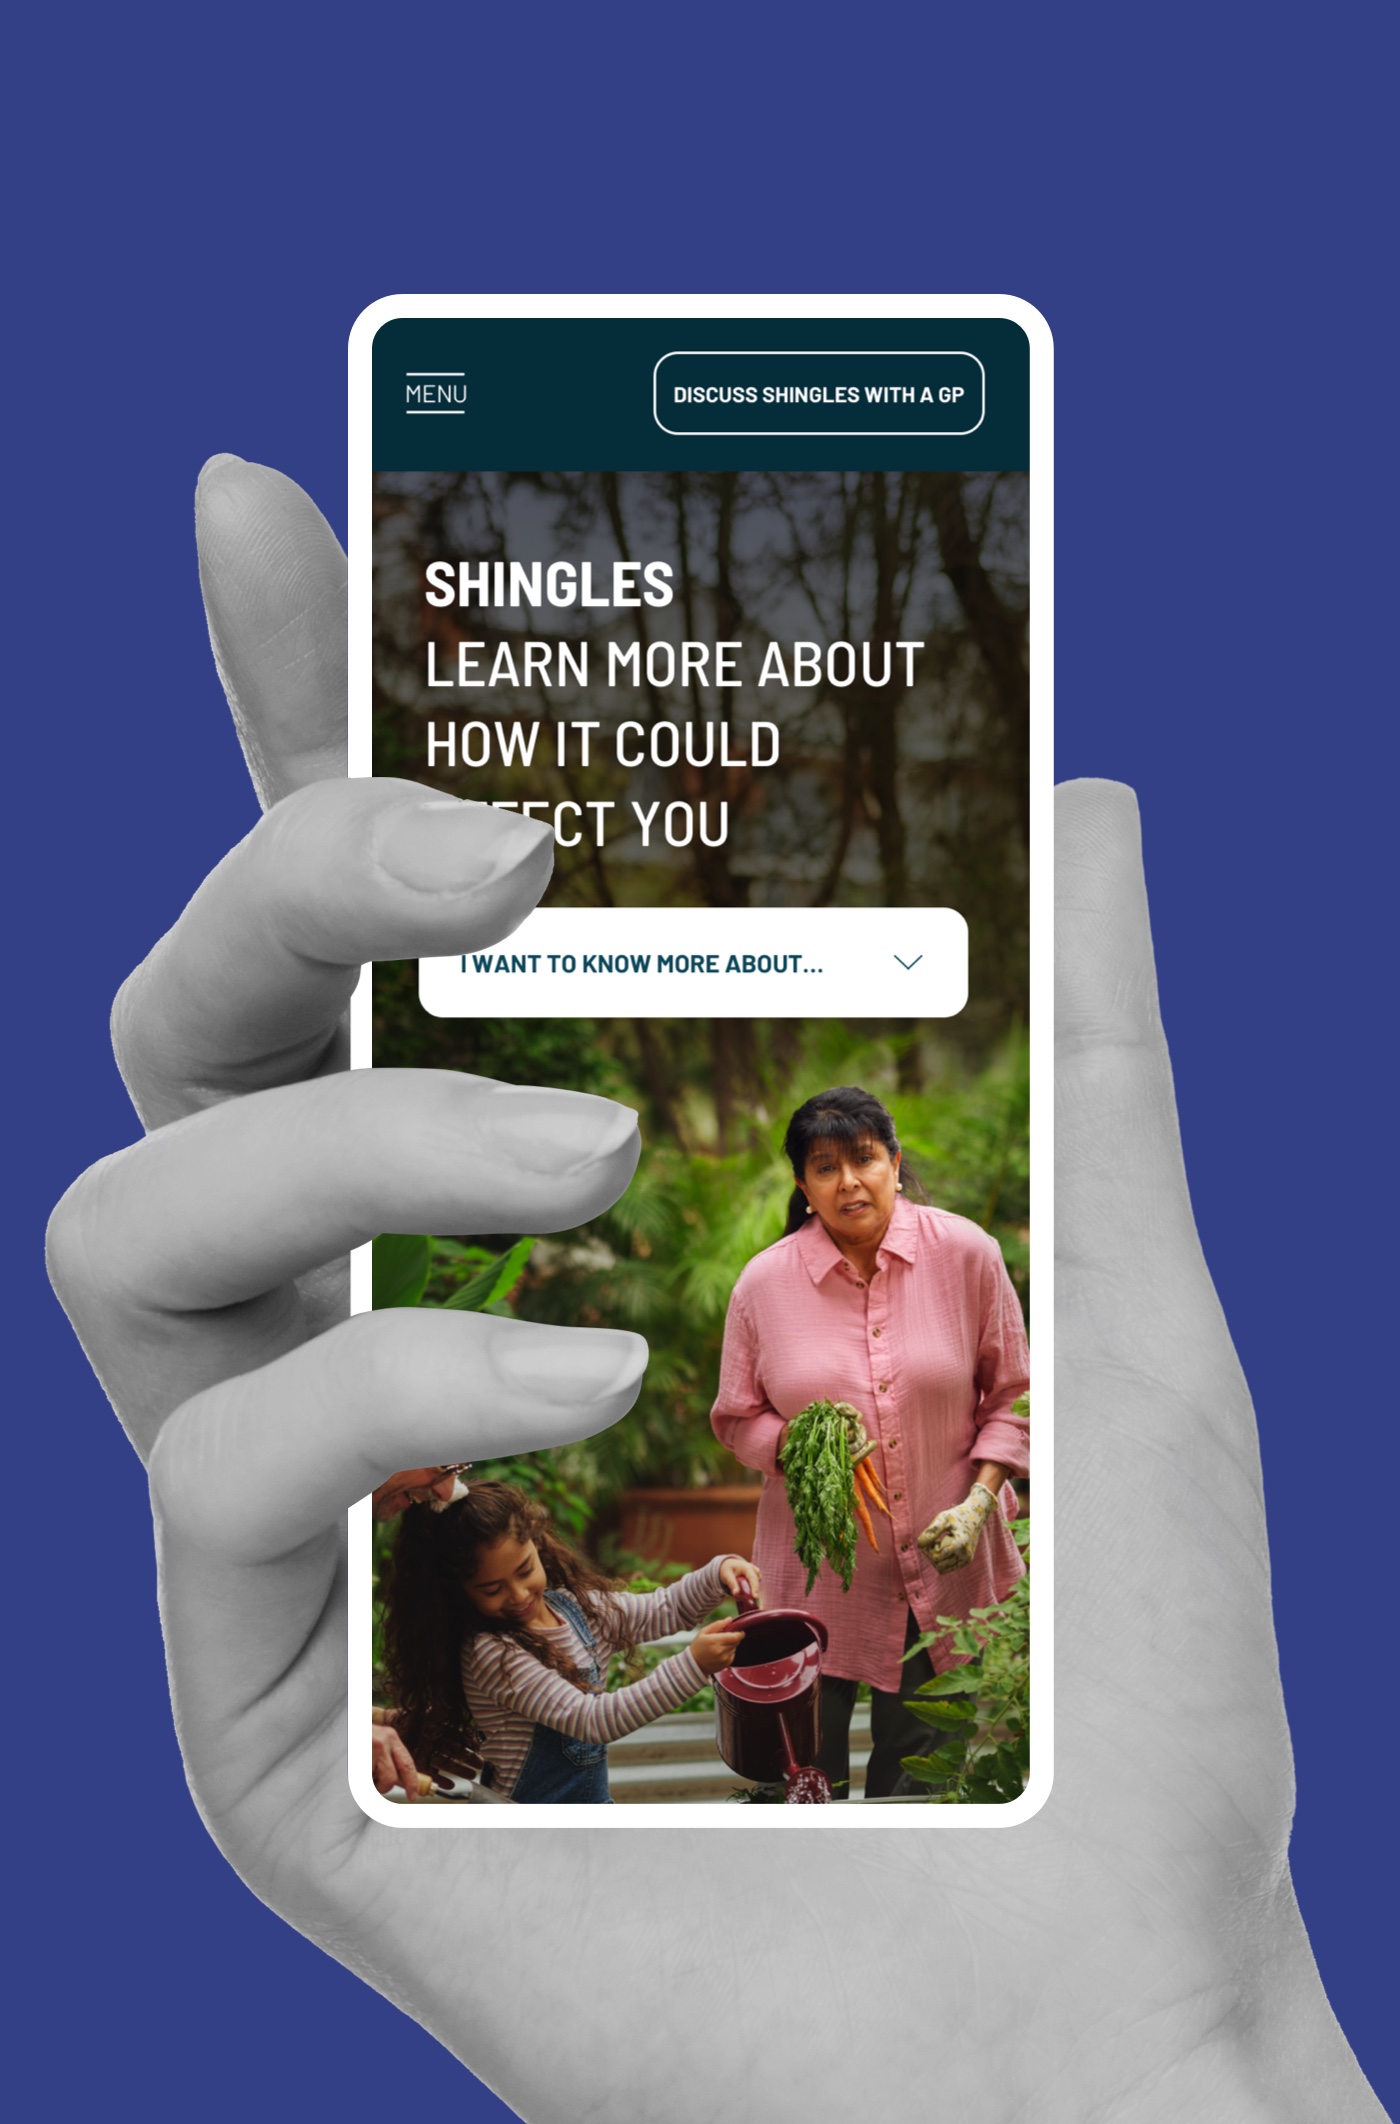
x=599, y=394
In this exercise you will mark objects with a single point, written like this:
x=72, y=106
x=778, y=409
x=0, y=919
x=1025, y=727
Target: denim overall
x=559, y=1767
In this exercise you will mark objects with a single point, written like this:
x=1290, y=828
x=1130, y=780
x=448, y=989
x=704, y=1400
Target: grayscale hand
x=1134, y=1952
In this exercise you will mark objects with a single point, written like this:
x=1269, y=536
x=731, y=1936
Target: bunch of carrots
x=865, y=1478
x=830, y=1490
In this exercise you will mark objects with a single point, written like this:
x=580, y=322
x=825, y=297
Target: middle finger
x=177, y=1258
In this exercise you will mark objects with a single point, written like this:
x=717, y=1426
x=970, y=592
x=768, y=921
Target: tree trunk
x=997, y=629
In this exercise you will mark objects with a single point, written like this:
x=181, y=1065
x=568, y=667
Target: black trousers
x=894, y=1732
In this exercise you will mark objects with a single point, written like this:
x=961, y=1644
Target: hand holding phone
x=257, y=1639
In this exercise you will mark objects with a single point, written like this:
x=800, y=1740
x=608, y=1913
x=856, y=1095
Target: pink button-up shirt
x=932, y=1351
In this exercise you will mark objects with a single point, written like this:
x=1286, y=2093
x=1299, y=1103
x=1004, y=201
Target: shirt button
x=874, y=1331
x=898, y=1496
x=893, y=1445
x=859, y=1285
x=884, y=1386
x=904, y=1545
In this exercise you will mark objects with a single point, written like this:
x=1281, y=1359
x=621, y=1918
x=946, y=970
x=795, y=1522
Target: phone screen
x=747, y=600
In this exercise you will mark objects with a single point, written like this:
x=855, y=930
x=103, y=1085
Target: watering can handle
x=744, y=1599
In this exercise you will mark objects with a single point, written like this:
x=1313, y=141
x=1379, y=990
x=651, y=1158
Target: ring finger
x=177, y=1259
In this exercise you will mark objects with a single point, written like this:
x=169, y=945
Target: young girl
x=498, y=1633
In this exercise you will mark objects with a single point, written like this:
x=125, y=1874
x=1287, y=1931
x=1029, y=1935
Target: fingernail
x=566, y=1364
x=218, y=501
x=226, y=489
x=212, y=464
x=555, y=1132
x=450, y=846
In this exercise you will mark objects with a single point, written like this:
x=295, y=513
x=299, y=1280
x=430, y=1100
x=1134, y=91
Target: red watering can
x=767, y=1717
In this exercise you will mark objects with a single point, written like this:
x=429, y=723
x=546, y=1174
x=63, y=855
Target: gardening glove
x=950, y=1541
x=862, y=1444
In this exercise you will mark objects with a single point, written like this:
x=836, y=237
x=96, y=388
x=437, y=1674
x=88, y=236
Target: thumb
x=1115, y=1111
x=1157, y=1391
x=1162, y=1587
x=1128, y=1263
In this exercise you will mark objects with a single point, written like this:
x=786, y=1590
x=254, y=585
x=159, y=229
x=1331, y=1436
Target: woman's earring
x=899, y=1187
x=809, y=1209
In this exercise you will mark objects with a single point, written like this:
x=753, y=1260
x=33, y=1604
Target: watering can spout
x=804, y=1784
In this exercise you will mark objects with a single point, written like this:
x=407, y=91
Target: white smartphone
x=748, y=599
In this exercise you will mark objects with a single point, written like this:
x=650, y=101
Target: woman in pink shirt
x=906, y=1312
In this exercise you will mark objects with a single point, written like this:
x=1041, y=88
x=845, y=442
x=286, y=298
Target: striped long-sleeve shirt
x=509, y=1692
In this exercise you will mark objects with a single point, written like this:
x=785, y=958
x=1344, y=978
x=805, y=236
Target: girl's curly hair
x=428, y=1612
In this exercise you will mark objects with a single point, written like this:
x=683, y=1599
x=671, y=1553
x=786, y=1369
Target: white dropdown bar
x=700, y=962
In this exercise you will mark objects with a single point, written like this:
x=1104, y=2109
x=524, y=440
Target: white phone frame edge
x=709, y=1815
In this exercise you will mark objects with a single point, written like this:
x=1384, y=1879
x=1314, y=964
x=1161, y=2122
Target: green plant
x=982, y=1708
x=644, y=1574
x=412, y=1269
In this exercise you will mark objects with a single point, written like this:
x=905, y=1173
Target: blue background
x=1190, y=196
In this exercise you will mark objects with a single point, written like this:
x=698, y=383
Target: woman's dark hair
x=428, y=1611
x=845, y=1114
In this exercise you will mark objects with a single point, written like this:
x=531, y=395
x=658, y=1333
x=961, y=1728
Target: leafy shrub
x=982, y=1708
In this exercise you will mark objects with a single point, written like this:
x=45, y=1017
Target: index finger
x=273, y=577
x=249, y=987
